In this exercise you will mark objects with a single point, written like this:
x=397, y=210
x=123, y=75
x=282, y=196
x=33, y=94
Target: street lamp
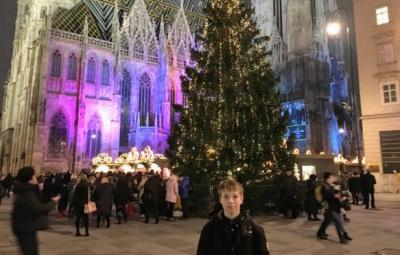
x=334, y=29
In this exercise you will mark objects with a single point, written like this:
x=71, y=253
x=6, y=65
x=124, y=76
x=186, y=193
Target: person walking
x=29, y=214
x=80, y=198
x=184, y=190
x=8, y=182
x=312, y=205
x=172, y=193
x=121, y=198
x=103, y=195
x=231, y=232
x=289, y=191
x=355, y=187
x=367, y=188
x=151, y=196
x=332, y=210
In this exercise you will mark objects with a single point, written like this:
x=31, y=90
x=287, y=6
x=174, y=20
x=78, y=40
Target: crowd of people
x=148, y=194
x=332, y=196
x=103, y=193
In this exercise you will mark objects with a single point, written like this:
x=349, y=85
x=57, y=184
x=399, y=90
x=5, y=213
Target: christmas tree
x=232, y=121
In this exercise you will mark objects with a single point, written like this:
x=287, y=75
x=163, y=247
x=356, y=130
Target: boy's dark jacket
x=29, y=214
x=241, y=236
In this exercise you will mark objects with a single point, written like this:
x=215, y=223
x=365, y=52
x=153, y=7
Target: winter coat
x=241, y=236
x=311, y=205
x=80, y=197
x=354, y=184
x=29, y=214
x=367, y=182
x=184, y=187
x=121, y=193
x=103, y=195
x=172, y=189
x=152, y=189
x=71, y=189
x=289, y=187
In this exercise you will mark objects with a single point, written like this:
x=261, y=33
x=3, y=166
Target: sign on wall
x=298, y=120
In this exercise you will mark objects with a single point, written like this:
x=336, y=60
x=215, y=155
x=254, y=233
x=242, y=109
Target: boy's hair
x=229, y=184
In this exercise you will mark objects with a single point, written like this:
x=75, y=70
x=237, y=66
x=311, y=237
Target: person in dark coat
x=312, y=205
x=355, y=187
x=184, y=189
x=231, y=232
x=8, y=182
x=151, y=196
x=80, y=198
x=29, y=214
x=103, y=195
x=368, y=181
x=289, y=190
x=121, y=198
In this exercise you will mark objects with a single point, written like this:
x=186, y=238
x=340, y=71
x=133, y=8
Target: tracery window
x=56, y=64
x=105, y=73
x=144, y=95
x=138, y=49
x=72, y=63
x=58, y=137
x=153, y=58
x=93, y=138
x=181, y=58
x=91, y=71
x=125, y=108
x=170, y=56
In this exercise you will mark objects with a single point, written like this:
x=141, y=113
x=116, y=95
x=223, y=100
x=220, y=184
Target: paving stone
x=375, y=232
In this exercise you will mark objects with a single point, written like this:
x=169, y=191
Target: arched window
x=93, y=138
x=56, y=64
x=144, y=95
x=138, y=49
x=125, y=108
x=58, y=137
x=72, y=67
x=91, y=71
x=170, y=53
x=124, y=44
x=180, y=60
x=153, y=57
x=105, y=73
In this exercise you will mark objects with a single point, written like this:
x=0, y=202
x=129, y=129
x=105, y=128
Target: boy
x=230, y=232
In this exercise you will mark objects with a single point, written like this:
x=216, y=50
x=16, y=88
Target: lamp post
x=334, y=28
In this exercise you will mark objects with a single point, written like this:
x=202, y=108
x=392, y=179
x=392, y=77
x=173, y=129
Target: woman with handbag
x=80, y=199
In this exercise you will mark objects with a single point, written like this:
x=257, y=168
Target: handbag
x=90, y=207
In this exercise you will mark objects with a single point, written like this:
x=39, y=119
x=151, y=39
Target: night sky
x=8, y=12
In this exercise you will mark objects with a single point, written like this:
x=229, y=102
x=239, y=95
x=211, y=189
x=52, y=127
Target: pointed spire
x=85, y=31
x=162, y=33
x=115, y=22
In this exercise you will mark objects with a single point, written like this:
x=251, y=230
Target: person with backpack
x=231, y=232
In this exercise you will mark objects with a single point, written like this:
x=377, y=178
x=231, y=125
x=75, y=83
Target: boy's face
x=231, y=201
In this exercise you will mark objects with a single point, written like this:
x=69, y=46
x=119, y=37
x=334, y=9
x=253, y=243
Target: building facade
x=315, y=75
x=91, y=76
x=378, y=42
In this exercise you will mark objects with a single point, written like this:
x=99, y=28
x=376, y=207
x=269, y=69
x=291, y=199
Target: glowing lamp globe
x=333, y=28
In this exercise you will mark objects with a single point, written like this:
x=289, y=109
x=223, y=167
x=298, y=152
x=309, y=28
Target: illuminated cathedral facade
x=95, y=75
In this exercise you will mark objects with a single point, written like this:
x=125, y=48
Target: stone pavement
x=374, y=232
